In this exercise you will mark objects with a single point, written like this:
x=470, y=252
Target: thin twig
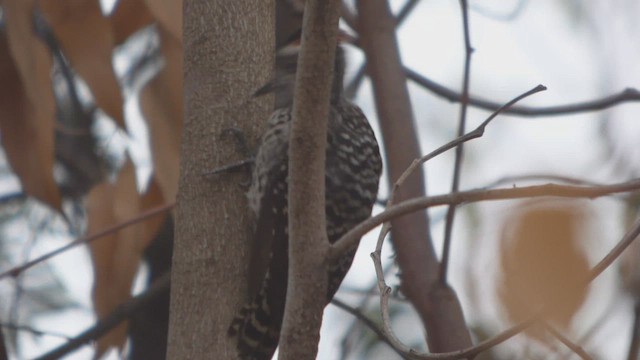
x=596, y=326
x=511, y=179
x=476, y=133
x=577, y=349
x=397, y=345
x=384, y=289
x=549, y=190
x=614, y=253
x=121, y=313
x=626, y=95
x=33, y=331
x=365, y=320
x=455, y=182
x=471, y=352
x=367, y=295
x=15, y=271
x=405, y=11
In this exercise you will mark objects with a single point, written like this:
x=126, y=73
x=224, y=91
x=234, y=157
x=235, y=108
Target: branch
x=14, y=272
x=33, y=331
x=308, y=278
x=121, y=313
x=443, y=321
x=368, y=322
x=455, y=182
x=577, y=349
x=626, y=95
x=354, y=85
x=398, y=346
x=474, y=134
x=347, y=241
x=472, y=351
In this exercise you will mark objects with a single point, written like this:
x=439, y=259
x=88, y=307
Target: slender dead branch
x=366, y=321
x=16, y=271
x=577, y=349
x=472, y=351
x=397, y=345
x=457, y=166
x=307, y=255
x=474, y=134
x=347, y=241
x=33, y=331
x=121, y=313
x=511, y=179
x=624, y=96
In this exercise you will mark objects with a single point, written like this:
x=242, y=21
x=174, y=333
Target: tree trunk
x=228, y=52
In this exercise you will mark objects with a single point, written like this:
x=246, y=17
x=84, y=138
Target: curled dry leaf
x=543, y=263
x=27, y=106
x=87, y=41
x=116, y=257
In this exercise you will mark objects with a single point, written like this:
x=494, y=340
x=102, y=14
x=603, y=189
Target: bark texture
x=308, y=252
x=228, y=45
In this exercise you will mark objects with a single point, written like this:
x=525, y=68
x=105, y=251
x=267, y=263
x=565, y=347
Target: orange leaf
x=161, y=103
x=87, y=41
x=543, y=263
x=169, y=15
x=116, y=258
x=27, y=107
x=128, y=17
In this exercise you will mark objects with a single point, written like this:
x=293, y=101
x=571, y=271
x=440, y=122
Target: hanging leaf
x=86, y=39
x=116, y=257
x=543, y=263
x=27, y=107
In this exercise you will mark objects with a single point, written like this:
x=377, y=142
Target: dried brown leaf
x=543, y=263
x=116, y=258
x=27, y=107
x=86, y=39
x=168, y=13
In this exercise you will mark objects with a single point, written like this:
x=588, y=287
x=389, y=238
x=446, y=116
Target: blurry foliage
x=543, y=263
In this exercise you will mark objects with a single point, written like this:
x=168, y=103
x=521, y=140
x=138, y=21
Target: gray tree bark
x=308, y=249
x=228, y=45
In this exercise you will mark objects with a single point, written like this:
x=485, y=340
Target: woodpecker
x=352, y=174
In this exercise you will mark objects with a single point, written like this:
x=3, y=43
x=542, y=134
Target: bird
x=352, y=175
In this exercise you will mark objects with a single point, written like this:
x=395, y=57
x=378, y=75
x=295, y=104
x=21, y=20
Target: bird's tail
x=257, y=333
